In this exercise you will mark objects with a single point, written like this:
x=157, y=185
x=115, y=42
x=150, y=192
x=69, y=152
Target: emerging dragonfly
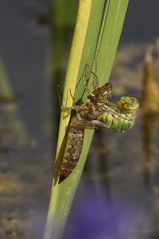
x=96, y=112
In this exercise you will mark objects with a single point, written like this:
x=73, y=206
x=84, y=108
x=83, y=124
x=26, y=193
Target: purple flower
x=99, y=219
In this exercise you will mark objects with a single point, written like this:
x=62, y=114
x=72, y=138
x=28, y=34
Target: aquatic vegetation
x=97, y=33
x=150, y=92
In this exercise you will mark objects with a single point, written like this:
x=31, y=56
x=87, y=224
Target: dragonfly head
x=128, y=104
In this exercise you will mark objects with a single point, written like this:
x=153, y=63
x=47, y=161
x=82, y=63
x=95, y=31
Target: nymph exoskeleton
x=85, y=113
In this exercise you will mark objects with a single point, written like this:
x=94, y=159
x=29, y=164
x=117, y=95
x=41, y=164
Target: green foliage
x=63, y=12
x=96, y=36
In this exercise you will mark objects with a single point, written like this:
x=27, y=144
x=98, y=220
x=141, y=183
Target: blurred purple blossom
x=100, y=219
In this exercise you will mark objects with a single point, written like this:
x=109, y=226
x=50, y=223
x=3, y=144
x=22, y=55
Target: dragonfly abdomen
x=72, y=151
x=117, y=122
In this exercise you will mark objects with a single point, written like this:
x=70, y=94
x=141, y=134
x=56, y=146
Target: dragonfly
x=120, y=116
x=97, y=111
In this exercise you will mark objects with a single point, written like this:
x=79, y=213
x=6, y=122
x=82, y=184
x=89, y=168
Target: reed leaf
x=96, y=36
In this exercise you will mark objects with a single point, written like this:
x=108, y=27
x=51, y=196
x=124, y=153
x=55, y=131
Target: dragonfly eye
x=134, y=100
x=126, y=105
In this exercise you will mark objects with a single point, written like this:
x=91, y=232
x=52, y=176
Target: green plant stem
x=95, y=40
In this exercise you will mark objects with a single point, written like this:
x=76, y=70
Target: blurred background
x=118, y=196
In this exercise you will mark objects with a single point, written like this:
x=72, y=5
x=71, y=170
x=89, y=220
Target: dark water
x=118, y=194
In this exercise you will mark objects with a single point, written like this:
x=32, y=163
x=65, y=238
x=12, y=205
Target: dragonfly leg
x=73, y=99
x=65, y=108
x=98, y=124
x=86, y=74
x=87, y=124
x=82, y=124
x=95, y=77
x=95, y=81
x=69, y=108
